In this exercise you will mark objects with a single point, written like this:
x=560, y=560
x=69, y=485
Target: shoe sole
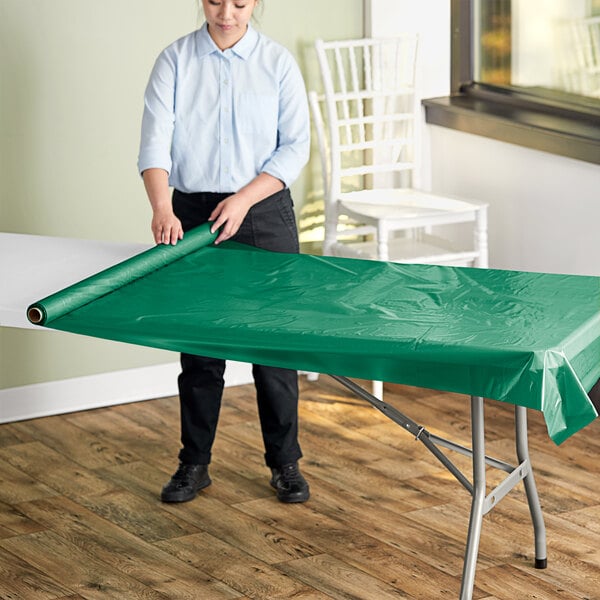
x=294, y=500
x=174, y=498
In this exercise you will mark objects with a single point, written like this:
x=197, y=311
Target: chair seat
x=406, y=208
x=428, y=249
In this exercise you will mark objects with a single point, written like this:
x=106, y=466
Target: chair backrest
x=586, y=35
x=315, y=102
x=370, y=105
x=580, y=56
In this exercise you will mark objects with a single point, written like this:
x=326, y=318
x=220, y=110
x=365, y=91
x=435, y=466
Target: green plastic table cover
x=530, y=339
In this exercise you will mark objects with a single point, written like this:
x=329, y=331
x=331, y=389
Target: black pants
x=269, y=225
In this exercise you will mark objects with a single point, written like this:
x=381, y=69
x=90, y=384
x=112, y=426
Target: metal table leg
x=533, y=500
x=477, y=503
x=481, y=502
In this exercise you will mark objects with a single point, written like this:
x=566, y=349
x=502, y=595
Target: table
x=34, y=266
x=529, y=339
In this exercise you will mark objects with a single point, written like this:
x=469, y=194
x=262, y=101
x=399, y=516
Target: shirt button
x=226, y=169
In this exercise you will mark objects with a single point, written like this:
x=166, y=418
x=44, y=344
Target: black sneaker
x=187, y=481
x=290, y=484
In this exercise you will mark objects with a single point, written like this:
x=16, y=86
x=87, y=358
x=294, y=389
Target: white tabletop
x=34, y=266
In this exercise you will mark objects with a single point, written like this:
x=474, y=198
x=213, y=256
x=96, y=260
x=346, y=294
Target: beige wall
x=72, y=75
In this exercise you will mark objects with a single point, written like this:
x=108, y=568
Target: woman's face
x=228, y=20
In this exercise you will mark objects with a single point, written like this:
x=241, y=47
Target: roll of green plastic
x=106, y=282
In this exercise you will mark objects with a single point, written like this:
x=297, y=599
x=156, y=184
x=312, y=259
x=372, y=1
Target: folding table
x=529, y=339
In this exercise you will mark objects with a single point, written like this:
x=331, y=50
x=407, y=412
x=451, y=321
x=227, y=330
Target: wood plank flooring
x=80, y=515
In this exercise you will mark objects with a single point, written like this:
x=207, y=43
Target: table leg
x=533, y=500
x=481, y=503
x=479, y=495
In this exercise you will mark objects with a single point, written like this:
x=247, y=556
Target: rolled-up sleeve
x=159, y=116
x=293, y=128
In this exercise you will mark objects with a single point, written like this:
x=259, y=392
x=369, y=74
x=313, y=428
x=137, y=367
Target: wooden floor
x=80, y=515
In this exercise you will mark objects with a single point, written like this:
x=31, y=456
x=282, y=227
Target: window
x=526, y=72
x=538, y=43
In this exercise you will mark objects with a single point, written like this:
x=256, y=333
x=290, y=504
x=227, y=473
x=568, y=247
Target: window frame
x=549, y=120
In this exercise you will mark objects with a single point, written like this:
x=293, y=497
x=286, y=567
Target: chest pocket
x=257, y=113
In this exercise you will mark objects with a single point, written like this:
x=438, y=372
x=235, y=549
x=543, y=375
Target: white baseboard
x=105, y=389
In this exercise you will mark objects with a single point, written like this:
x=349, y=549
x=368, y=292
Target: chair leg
x=331, y=217
x=378, y=389
x=383, y=252
x=481, y=238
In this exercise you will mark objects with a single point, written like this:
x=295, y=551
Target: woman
x=226, y=125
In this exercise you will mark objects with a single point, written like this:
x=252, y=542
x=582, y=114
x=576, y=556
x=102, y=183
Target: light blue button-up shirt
x=216, y=119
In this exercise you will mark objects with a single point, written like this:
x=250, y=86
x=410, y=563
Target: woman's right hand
x=166, y=227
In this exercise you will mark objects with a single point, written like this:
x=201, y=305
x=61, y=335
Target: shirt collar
x=243, y=48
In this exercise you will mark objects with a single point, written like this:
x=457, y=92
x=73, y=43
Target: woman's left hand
x=228, y=215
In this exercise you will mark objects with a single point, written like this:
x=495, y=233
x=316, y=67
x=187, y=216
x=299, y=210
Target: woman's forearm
x=156, y=182
x=261, y=187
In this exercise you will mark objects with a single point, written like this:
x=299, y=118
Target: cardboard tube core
x=35, y=315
